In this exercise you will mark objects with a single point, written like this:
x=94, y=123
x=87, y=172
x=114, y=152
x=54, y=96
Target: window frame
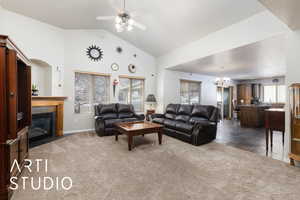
x=189, y=96
x=276, y=93
x=92, y=91
x=131, y=78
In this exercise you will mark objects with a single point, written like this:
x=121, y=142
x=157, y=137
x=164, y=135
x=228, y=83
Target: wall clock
x=95, y=53
x=132, y=68
x=114, y=67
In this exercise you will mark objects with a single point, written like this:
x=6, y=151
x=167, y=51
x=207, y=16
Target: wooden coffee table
x=138, y=128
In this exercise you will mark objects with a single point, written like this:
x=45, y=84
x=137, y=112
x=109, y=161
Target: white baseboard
x=78, y=131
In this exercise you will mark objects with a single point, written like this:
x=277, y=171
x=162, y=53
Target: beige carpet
x=104, y=169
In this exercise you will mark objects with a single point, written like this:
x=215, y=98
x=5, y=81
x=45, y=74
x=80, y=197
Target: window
x=131, y=91
x=274, y=93
x=90, y=89
x=190, y=92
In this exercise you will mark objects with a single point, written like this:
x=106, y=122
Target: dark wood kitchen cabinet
x=244, y=93
x=15, y=115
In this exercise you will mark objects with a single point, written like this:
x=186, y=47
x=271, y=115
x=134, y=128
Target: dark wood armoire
x=15, y=111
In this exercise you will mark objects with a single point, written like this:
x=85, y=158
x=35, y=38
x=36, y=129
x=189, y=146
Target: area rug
x=103, y=169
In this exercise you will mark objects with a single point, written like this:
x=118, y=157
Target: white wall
x=169, y=88
x=37, y=40
x=41, y=75
x=76, y=43
x=293, y=74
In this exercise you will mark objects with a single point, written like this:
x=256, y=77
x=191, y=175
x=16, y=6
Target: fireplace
x=43, y=129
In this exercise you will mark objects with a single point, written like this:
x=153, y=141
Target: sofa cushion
x=185, y=110
x=109, y=116
x=172, y=108
x=158, y=120
x=109, y=123
x=184, y=127
x=125, y=108
x=125, y=111
x=108, y=108
x=183, y=118
x=170, y=123
x=202, y=111
x=125, y=115
x=194, y=120
x=170, y=116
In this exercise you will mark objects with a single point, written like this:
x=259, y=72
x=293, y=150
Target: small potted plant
x=34, y=90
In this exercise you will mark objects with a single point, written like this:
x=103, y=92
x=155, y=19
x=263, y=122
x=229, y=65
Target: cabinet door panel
x=13, y=156
x=3, y=102
x=23, y=145
x=28, y=88
x=12, y=93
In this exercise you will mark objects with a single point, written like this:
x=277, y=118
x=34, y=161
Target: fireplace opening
x=43, y=126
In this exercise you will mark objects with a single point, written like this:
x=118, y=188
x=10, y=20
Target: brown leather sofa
x=106, y=115
x=195, y=124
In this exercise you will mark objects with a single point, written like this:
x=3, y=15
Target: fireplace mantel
x=49, y=98
x=58, y=102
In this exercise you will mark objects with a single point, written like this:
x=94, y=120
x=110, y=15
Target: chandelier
x=222, y=81
x=123, y=22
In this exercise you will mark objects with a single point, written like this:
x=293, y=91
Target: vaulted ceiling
x=286, y=10
x=257, y=60
x=170, y=23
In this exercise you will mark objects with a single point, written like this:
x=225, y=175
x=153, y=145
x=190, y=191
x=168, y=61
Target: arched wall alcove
x=41, y=75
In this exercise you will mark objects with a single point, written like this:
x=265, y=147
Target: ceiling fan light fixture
x=129, y=28
x=118, y=19
x=119, y=28
x=123, y=20
x=130, y=22
x=222, y=81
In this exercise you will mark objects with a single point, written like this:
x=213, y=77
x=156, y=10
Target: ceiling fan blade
x=134, y=14
x=105, y=17
x=139, y=25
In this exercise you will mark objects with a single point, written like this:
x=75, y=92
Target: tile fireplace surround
x=58, y=104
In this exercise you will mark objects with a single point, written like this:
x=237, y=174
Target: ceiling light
x=118, y=19
x=123, y=20
x=129, y=28
x=222, y=81
x=130, y=21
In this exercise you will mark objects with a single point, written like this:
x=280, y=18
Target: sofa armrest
x=139, y=116
x=98, y=118
x=204, y=133
x=157, y=115
x=99, y=126
x=215, y=117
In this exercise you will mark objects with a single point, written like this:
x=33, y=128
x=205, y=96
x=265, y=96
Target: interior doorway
x=224, y=100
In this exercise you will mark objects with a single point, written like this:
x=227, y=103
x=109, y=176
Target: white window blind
x=90, y=89
x=190, y=92
x=274, y=93
x=131, y=91
x=281, y=92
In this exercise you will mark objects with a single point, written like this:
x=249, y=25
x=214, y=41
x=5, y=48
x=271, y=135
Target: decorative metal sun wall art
x=95, y=53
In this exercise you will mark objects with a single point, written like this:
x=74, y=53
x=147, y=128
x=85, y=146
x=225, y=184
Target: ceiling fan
x=123, y=20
